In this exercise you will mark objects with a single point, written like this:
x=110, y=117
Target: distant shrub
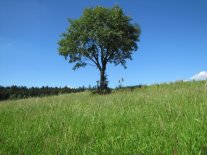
x=101, y=91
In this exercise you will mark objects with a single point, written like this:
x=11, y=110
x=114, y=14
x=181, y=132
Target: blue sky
x=173, y=42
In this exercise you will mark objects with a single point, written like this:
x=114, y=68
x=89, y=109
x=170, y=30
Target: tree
x=100, y=36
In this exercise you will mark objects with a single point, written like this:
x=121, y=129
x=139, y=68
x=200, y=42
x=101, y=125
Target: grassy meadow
x=159, y=119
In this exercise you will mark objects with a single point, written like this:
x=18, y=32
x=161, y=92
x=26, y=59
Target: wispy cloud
x=200, y=76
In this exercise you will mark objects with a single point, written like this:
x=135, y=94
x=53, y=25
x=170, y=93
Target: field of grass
x=159, y=119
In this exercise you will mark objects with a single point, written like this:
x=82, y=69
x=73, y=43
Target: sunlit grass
x=160, y=119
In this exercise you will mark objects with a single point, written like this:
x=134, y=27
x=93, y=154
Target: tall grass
x=160, y=119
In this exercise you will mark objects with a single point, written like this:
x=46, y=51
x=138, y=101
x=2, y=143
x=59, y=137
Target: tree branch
x=95, y=60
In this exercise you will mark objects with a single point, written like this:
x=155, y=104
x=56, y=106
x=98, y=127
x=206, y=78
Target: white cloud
x=200, y=76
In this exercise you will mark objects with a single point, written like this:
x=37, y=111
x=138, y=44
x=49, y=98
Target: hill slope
x=160, y=119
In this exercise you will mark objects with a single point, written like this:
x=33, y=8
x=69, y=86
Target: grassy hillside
x=160, y=119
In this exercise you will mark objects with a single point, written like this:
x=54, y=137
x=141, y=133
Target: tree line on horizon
x=19, y=92
x=22, y=92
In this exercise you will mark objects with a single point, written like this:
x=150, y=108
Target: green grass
x=160, y=119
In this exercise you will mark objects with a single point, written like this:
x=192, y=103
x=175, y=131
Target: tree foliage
x=18, y=92
x=100, y=36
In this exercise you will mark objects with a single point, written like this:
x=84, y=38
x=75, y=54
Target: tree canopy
x=100, y=36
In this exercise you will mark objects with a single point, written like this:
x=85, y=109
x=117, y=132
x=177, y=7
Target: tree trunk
x=103, y=84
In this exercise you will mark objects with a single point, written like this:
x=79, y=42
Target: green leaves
x=100, y=35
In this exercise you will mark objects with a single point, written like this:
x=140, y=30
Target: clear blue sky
x=173, y=42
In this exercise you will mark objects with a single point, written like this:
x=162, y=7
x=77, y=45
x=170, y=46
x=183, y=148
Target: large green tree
x=100, y=36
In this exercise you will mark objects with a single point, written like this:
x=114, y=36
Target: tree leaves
x=100, y=36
